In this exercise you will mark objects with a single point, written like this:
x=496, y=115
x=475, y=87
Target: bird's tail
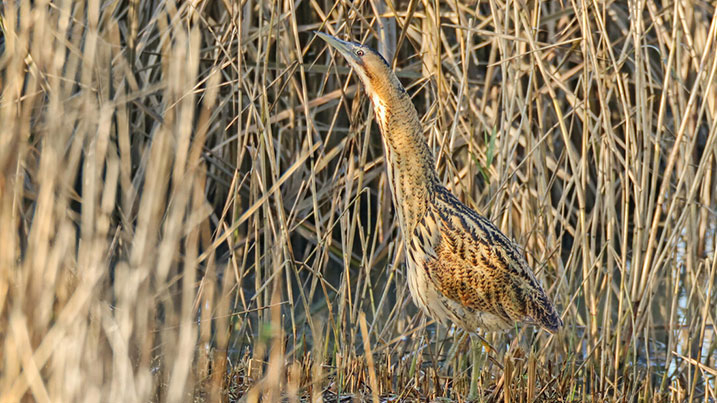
x=543, y=312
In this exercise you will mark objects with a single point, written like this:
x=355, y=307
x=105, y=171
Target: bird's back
x=466, y=271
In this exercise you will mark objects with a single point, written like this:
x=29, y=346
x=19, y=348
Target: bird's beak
x=345, y=48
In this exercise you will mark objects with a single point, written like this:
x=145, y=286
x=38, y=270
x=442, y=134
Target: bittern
x=461, y=268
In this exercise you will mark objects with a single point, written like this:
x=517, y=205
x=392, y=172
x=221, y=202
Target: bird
x=460, y=267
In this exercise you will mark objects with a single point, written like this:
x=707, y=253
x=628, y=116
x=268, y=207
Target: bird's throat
x=409, y=161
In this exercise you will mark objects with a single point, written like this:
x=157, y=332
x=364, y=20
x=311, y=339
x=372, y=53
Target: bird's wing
x=477, y=266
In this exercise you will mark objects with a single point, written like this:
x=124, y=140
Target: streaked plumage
x=461, y=268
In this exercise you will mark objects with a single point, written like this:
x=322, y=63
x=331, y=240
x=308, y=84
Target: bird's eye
x=359, y=53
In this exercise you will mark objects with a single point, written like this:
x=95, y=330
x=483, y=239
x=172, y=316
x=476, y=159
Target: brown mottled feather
x=481, y=269
x=460, y=267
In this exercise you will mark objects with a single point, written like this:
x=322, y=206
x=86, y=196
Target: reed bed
x=194, y=205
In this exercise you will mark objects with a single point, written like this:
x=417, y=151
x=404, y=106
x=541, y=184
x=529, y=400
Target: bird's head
x=373, y=70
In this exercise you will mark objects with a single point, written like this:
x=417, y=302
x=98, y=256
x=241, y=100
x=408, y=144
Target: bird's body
x=461, y=268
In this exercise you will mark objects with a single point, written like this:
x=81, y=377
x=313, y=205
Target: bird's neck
x=409, y=162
